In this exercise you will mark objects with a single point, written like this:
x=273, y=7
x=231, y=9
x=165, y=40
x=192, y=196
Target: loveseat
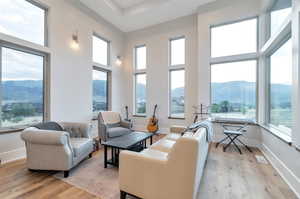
x=170, y=168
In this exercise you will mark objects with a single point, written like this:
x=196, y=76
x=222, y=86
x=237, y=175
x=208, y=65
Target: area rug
x=92, y=177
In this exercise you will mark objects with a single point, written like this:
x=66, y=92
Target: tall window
x=140, y=80
x=281, y=88
x=280, y=11
x=177, y=48
x=233, y=90
x=101, y=49
x=22, y=87
x=234, y=39
x=140, y=94
x=177, y=78
x=23, y=19
x=233, y=82
x=140, y=57
x=100, y=90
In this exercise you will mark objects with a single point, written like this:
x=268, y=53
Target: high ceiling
x=124, y=4
x=130, y=15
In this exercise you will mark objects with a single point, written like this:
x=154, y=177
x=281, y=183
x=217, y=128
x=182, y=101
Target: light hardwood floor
x=227, y=175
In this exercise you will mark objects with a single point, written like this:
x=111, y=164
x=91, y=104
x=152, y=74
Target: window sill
x=176, y=118
x=139, y=115
x=233, y=121
x=11, y=130
x=282, y=136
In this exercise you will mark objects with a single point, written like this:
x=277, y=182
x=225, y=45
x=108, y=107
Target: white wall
x=156, y=39
x=71, y=70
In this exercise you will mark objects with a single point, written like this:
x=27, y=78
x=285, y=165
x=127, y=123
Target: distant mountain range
x=242, y=91
x=234, y=92
x=27, y=90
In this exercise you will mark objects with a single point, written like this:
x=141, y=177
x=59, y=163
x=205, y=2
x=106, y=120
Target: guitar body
x=152, y=126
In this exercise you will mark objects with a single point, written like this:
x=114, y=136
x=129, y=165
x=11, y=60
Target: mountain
x=234, y=92
x=26, y=90
x=242, y=91
x=99, y=87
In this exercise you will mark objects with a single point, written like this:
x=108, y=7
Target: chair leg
x=221, y=142
x=123, y=195
x=66, y=174
x=244, y=145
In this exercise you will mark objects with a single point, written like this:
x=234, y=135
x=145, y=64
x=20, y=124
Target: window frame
x=108, y=51
x=170, y=51
x=237, y=58
x=170, y=93
x=135, y=96
x=256, y=84
x=46, y=24
x=108, y=86
x=135, y=57
x=270, y=44
x=137, y=72
x=46, y=82
x=268, y=108
x=243, y=55
x=176, y=68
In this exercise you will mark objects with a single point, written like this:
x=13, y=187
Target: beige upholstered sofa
x=57, y=150
x=110, y=125
x=170, y=168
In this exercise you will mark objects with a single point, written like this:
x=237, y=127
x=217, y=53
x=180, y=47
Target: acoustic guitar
x=153, y=122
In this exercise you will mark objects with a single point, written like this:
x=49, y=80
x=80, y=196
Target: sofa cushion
x=151, y=153
x=173, y=136
x=81, y=146
x=117, y=131
x=163, y=145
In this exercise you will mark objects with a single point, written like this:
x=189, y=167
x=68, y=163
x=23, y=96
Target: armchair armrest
x=102, y=131
x=77, y=129
x=45, y=137
x=137, y=172
x=126, y=124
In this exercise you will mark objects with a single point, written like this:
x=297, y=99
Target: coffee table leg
x=151, y=140
x=105, y=156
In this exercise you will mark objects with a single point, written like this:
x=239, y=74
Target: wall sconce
x=119, y=61
x=75, y=41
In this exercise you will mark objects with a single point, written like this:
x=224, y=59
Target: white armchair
x=111, y=125
x=156, y=173
x=57, y=150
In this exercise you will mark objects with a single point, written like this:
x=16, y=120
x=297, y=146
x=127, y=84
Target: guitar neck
x=154, y=112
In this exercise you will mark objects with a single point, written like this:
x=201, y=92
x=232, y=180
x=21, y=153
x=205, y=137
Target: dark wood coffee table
x=135, y=141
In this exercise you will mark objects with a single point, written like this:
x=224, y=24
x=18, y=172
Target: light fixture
x=119, y=61
x=75, y=41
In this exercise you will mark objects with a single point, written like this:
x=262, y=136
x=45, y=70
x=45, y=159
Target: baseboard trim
x=13, y=155
x=288, y=176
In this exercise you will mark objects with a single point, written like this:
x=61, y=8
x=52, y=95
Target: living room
x=214, y=59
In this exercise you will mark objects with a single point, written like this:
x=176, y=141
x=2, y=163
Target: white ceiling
x=130, y=15
x=128, y=3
